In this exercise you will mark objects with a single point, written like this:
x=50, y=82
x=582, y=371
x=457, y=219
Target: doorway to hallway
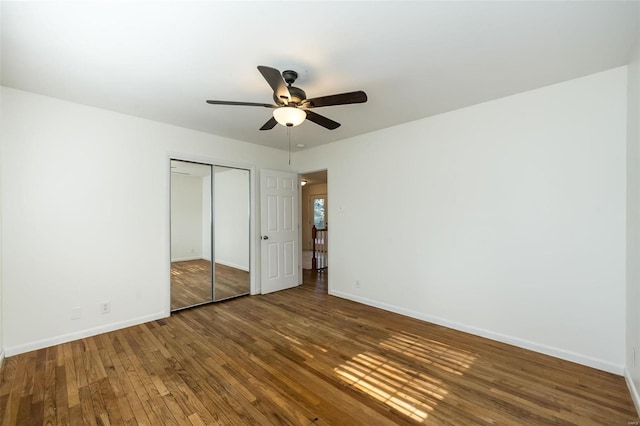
x=315, y=223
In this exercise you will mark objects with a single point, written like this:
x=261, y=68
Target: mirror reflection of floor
x=191, y=282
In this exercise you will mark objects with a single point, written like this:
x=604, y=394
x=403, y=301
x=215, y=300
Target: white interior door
x=279, y=230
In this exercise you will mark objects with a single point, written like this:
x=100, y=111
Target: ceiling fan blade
x=340, y=99
x=242, y=104
x=277, y=83
x=269, y=124
x=322, y=120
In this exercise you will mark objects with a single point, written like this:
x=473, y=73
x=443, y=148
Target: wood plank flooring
x=301, y=357
x=191, y=282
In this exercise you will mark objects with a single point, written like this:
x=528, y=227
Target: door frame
x=326, y=193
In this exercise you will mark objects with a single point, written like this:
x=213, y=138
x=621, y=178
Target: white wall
x=187, y=223
x=85, y=212
x=1, y=303
x=632, y=364
x=505, y=219
x=232, y=218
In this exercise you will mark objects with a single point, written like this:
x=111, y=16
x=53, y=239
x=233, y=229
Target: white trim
x=632, y=390
x=1, y=358
x=515, y=341
x=185, y=259
x=64, y=338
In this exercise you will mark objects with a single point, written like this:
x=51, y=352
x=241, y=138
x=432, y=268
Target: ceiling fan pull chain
x=289, y=136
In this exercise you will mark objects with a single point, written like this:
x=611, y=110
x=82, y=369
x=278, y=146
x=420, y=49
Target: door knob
x=265, y=237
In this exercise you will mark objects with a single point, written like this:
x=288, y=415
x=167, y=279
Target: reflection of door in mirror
x=231, y=225
x=190, y=234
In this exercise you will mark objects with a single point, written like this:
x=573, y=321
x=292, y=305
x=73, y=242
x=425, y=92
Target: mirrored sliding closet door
x=231, y=232
x=209, y=221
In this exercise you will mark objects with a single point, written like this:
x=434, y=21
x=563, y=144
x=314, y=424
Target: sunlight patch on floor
x=410, y=391
x=430, y=352
x=296, y=345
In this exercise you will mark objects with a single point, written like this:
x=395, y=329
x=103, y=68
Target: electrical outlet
x=105, y=307
x=75, y=313
x=357, y=283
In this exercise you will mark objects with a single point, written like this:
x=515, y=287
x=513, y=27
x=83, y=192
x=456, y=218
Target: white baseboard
x=64, y=338
x=632, y=390
x=515, y=341
x=185, y=259
x=1, y=357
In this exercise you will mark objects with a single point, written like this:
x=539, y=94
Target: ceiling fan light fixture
x=289, y=116
x=288, y=100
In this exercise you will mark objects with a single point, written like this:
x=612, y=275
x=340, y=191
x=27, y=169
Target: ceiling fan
x=291, y=104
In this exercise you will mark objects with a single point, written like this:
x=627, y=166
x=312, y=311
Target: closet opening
x=210, y=240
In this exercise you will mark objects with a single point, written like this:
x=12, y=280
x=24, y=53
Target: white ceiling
x=162, y=60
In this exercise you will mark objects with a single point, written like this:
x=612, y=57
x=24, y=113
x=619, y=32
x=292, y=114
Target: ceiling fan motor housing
x=297, y=94
x=289, y=76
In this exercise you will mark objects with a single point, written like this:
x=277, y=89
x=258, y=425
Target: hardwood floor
x=191, y=282
x=301, y=357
